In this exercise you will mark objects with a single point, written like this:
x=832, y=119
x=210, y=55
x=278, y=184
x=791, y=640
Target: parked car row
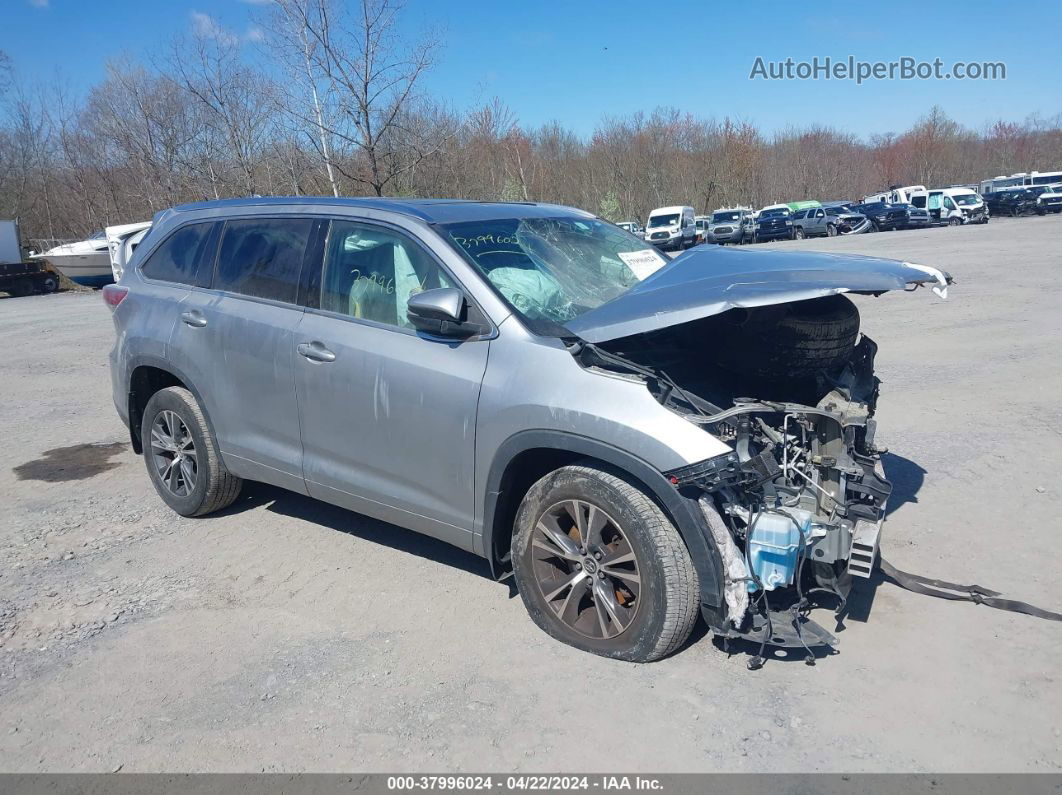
x=1040, y=199
x=900, y=207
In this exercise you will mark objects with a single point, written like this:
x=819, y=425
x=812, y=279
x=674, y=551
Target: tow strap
x=962, y=593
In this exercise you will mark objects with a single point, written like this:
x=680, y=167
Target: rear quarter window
x=262, y=257
x=184, y=257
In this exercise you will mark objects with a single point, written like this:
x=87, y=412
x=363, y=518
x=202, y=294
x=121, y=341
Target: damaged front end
x=778, y=372
x=796, y=508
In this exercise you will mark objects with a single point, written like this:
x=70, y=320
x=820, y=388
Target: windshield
x=721, y=218
x=663, y=220
x=966, y=199
x=555, y=269
x=778, y=213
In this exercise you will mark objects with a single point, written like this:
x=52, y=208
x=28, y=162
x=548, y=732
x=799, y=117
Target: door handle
x=315, y=352
x=194, y=318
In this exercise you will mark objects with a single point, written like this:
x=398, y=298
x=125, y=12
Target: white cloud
x=39, y=3
x=209, y=28
x=204, y=25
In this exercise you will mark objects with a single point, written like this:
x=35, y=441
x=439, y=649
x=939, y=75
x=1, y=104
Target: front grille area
x=722, y=230
x=658, y=236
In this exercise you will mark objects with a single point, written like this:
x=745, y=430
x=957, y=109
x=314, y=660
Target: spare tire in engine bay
x=786, y=341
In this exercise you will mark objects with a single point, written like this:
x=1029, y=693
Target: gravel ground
x=287, y=635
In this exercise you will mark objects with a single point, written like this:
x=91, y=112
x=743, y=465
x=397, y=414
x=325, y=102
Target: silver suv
x=531, y=384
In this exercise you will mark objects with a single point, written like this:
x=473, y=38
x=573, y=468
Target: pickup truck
x=827, y=222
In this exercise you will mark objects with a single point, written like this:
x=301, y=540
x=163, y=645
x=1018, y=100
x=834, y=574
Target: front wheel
x=831, y=230
x=798, y=233
x=954, y=222
x=601, y=568
x=182, y=461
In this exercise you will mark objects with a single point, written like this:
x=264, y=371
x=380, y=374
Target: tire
x=831, y=230
x=954, y=222
x=665, y=606
x=798, y=233
x=20, y=288
x=48, y=284
x=789, y=341
x=211, y=486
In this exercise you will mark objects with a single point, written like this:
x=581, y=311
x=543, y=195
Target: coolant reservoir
x=773, y=546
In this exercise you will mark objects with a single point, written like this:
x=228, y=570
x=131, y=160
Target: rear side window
x=262, y=257
x=178, y=258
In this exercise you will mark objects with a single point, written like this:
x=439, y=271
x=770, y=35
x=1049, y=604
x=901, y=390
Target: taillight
x=114, y=294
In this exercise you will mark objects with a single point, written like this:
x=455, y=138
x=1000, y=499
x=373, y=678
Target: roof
x=429, y=210
x=678, y=208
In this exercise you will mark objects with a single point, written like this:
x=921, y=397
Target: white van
x=897, y=194
x=952, y=206
x=671, y=228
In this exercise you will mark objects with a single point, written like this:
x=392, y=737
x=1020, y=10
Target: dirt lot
x=288, y=635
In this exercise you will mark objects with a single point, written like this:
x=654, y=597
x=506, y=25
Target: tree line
x=326, y=98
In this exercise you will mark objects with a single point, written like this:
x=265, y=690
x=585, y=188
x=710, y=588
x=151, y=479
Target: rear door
x=388, y=413
x=169, y=272
x=235, y=339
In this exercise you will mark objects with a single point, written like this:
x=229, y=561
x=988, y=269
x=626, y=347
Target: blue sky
x=580, y=60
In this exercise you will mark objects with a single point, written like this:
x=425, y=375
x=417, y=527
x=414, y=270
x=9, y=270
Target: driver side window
x=371, y=273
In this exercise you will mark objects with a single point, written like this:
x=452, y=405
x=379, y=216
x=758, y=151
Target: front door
x=388, y=414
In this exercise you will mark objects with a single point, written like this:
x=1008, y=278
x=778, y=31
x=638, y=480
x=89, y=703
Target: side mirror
x=442, y=312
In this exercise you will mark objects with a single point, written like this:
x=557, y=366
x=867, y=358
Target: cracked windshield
x=555, y=269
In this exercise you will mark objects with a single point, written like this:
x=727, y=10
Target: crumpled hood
x=709, y=280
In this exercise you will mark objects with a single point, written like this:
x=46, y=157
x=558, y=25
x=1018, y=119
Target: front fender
x=683, y=509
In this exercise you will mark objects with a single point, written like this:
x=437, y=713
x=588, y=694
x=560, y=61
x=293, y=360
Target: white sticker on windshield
x=644, y=263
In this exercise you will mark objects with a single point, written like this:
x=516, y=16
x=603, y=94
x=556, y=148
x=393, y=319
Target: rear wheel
x=182, y=461
x=48, y=284
x=601, y=568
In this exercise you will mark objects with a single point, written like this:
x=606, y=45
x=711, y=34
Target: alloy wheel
x=586, y=569
x=173, y=453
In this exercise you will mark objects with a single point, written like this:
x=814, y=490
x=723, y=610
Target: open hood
x=709, y=280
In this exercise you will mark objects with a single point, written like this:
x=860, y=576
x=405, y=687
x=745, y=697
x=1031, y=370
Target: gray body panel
x=608, y=408
x=710, y=280
x=245, y=353
x=389, y=426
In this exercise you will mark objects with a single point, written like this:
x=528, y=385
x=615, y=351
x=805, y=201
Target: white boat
x=122, y=242
x=86, y=262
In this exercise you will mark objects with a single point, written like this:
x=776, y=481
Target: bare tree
x=372, y=81
x=234, y=98
x=292, y=24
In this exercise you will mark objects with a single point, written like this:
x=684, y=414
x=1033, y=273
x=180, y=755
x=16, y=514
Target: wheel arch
x=526, y=456
x=148, y=375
